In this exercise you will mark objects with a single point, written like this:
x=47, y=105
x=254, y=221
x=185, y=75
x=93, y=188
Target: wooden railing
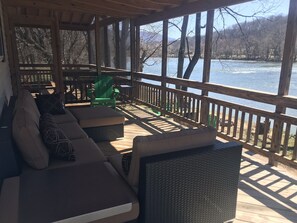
x=252, y=127
x=78, y=82
x=36, y=77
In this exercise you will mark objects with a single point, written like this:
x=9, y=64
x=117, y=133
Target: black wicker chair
x=190, y=186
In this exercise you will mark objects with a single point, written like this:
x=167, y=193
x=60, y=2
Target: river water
x=254, y=75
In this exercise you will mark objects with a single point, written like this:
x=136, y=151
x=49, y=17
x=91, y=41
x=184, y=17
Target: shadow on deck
x=265, y=194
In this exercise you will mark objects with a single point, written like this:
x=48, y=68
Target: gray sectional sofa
x=49, y=190
x=185, y=176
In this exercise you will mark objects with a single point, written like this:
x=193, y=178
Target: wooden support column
x=132, y=53
x=97, y=43
x=137, y=48
x=206, y=65
x=285, y=76
x=11, y=51
x=164, y=66
x=57, y=58
x=91, y=49
x=117, y=45
x=106, y=47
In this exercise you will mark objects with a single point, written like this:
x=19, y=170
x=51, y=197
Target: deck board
x=265, y=194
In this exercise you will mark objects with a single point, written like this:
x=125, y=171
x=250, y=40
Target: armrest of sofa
x=197, y=184
x=9, y=200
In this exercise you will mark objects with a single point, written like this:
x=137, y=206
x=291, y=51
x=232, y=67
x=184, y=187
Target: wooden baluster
x=212, y=119
x=218, y=117
x=223, y=119
x=198, y=111
x=249, y=130
x=235, y=123
x=266, y=131
x=295, y=148
x=193, y=108
x=256, y=136
x=229, y=121
x=242, y=122
x=286, y=140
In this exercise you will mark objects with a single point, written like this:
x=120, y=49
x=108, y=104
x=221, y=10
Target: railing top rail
x=264, y=97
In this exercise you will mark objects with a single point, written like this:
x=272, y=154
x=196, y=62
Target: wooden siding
x=265, y=194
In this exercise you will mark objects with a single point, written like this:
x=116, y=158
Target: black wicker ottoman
x=100, y=123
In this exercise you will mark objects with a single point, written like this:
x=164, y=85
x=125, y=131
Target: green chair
x=103, y=92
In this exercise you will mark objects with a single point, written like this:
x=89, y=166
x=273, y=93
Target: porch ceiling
x=82, y=12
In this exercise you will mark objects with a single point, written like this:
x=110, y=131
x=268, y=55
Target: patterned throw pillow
x=46, y=121
x=126, y=161
x=50, y=103
x=58, y=144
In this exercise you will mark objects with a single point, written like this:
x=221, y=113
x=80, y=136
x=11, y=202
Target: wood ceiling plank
x=117, y=7
x=167, y=2
x=68, y=6
x=139, y=4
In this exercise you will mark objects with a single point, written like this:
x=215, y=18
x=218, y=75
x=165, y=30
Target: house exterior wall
x=5, y=80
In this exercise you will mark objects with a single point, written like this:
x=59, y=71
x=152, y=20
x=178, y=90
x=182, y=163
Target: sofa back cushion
x=28, y=139
x=27, y=102
x=167, y=142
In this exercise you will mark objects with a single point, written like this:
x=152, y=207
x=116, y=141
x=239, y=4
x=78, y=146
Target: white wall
x=5, y=80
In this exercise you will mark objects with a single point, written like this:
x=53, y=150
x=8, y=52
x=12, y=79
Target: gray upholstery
x=28, y=139
x=9, y=200
x=97, y=116
x=167, y=142
x=65, y=118
x=72, y=130
x=85, y=150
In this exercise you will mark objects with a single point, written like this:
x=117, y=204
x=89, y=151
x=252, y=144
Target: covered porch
x=271, y=133
x=267, y=188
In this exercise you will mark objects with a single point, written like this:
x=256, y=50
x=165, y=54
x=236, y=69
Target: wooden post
x=123, y=45
x=117, y=45
x=164, y=66
x=97, y=41
x=285, y=76
x=106, y=48
x=132, y=53
x=56, y=46
x=91, y=44
x=206, y=65
x=11, y=51
x=137, y=50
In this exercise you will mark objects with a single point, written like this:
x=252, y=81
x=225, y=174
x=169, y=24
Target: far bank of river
x=254, y=75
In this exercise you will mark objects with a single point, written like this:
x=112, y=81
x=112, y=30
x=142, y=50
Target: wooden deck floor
x=265, y=194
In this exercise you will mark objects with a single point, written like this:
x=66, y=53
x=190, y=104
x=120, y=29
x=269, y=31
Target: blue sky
x=258, y=8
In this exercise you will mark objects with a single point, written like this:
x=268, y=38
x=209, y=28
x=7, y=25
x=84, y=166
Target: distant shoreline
x=239, y=59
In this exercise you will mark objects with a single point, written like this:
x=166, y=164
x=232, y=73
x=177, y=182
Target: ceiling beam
x=67, y=6
x=167, y=2
x=119, y=7
x=139, y=4
x=186, y=9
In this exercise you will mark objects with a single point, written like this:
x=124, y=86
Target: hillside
x=262, y=39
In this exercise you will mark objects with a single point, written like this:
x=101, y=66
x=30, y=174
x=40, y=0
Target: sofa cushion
x=165, y=143
x=97, y=116
x=59, y=146
x=126, y=162
x=50, y=103
x=86, y=151
x=27, y=102
x=64, y=118
x=72, y=130
x=46, y=121
x=28, y=139
x=116, y=162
